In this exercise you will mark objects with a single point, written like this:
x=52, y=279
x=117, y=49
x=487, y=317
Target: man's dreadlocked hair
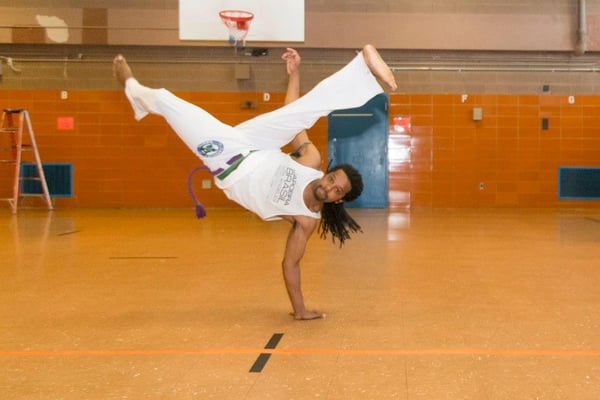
x=334, y=217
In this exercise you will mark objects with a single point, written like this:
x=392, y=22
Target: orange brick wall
x=119, y=162
x=507, y=151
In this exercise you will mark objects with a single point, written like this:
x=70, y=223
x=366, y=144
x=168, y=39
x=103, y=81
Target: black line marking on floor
x=593, y=219
x=67, y=233
x=143, y=258
x=262, y=358
x=260, y=362
x=274, y=341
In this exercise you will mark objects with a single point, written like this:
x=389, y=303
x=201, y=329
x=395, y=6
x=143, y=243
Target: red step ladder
x=12, y=126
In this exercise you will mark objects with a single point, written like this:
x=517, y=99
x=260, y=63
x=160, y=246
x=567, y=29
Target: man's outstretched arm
x=292, y=66
x=304, y=151
x=302, y=228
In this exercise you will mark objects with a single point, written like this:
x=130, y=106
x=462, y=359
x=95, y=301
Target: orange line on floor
x=348, y=352
x=49, y=353
x=443, y=352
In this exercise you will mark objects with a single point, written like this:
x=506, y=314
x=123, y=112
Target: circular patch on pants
x=210, y=148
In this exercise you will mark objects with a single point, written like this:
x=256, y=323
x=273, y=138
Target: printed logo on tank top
x=283, y=185
x=210, y=148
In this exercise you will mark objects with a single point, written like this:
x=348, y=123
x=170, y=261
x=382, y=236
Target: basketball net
x=238, y=24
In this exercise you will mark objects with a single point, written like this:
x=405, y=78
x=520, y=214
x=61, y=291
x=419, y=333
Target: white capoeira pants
x=216, y=143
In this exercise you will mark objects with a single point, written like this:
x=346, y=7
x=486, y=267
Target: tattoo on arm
x=298, y=152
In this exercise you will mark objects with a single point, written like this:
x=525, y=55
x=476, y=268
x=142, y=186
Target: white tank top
x=270, y=184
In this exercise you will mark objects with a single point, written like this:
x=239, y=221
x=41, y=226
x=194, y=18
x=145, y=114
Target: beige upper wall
x=525, y=25
x=443, y=31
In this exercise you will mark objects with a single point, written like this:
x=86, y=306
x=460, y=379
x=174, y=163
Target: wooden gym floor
x=433, y=304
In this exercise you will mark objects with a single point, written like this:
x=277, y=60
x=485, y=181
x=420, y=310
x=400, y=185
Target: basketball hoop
x=238, y=23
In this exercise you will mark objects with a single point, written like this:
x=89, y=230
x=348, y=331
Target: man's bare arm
x=297, y=240
x=305, y=152
x=292, y=65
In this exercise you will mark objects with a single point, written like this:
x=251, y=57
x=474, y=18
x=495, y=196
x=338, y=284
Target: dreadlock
x=334, y=217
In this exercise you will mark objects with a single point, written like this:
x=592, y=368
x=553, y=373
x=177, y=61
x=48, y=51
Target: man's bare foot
x=378, y=67
x=121, y=69
x=308, y=315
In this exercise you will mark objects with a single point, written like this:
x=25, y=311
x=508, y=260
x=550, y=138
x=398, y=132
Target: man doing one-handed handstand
x=249, y=166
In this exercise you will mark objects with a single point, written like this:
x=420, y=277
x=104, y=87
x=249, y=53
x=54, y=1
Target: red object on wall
x=65, y=123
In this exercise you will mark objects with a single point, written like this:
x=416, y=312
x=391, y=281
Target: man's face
x=332, y=187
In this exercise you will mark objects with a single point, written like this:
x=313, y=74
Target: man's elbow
x=318, y=161
x=288, y=266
